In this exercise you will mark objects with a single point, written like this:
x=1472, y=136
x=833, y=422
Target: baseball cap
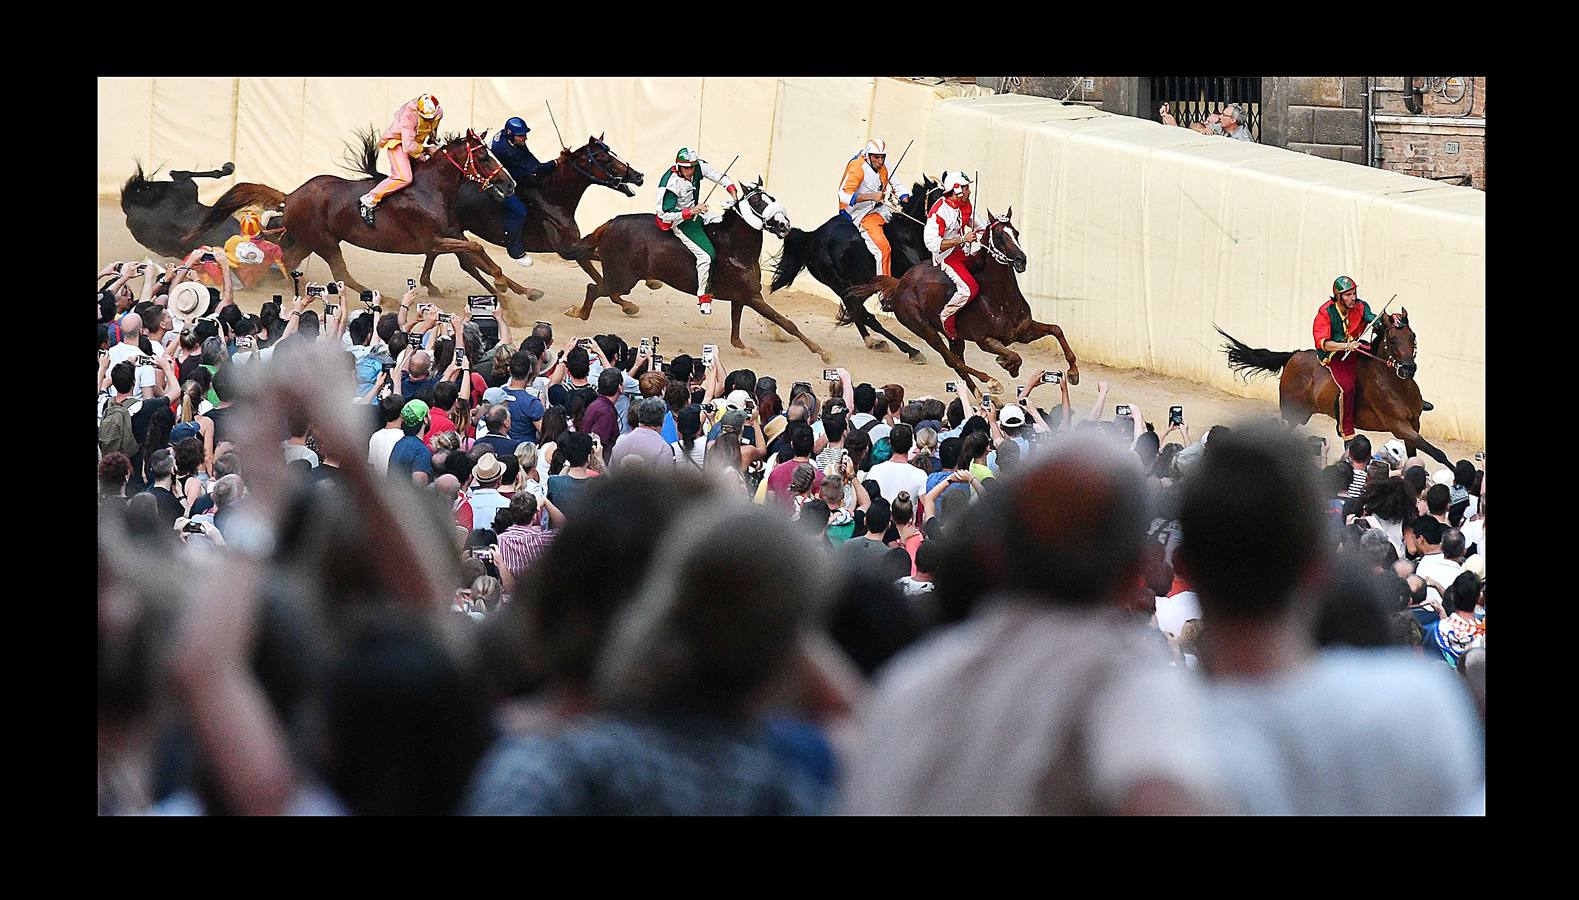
x=733, y=419
x=1012, y=416
x=736, y=399
x=1443, y=477
x=413, y=413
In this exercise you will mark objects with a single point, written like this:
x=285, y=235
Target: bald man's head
x=131, y=328
x=448, y=485
x=1074, y=523
x=421, y=362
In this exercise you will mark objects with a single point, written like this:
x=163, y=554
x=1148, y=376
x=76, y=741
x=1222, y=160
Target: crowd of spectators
x=357, y=561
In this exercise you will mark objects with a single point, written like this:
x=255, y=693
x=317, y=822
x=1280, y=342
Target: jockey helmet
x=1344, y=283
x=955, y=182
x=877, y=147
x=251, y=224
x=516, y=127
x=685, y=157
x=428, y=106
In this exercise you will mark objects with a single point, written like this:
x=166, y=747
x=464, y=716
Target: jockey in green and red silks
x=681, y=212
x=1339, y=324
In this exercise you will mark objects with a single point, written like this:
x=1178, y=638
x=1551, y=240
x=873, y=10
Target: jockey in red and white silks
x=950, y=233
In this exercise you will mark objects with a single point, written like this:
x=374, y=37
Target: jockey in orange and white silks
x=863, y=190
x=950, y=233
x=414, y=130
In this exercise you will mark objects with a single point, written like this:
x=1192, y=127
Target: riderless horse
x=161, y=214
x=997, y=317
x=632, y=248
x=419, y=219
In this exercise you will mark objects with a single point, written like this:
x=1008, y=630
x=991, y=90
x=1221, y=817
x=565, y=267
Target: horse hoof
x=654, y=284
x=994, y=386
x=533, y=294
x=827, y=358
x=918, y=358
x=436, y=291
x=629, y=309
x=1074, y=374
x=749, y=351
x=877, y=343
x=574, y=312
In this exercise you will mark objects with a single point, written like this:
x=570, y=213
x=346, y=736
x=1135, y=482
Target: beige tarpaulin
x=1141, y=237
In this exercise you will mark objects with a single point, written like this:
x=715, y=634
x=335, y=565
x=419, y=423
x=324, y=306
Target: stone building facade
x=1426, y=126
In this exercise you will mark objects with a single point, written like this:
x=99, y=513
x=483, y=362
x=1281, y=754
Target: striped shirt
x=521, y=546
x=1357, y=486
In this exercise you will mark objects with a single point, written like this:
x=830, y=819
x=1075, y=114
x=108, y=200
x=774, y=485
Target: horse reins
x=604, y=178
x=470, y=170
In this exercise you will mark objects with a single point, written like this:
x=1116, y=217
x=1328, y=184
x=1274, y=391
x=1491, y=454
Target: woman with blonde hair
x=924, y=453
x=527, y=479
x=192, y=396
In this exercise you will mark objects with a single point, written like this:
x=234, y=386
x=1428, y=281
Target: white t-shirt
x=1355, y=733
x=124, y=352
x=879, y=431
x=969, y=722
x=1475, y=533
x=295, y=451
x=1173, y=612
x=698, y=454
x=894, y=477
x=380, y=446
x=1440, y=569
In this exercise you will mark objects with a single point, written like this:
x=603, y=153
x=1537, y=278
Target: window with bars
x=1193, y=98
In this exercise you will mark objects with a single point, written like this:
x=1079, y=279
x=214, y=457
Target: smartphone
x=330, y=309
x=315, y=290
x=1481, y=456
x=422, y=308
x=206, y=257
x=411, y=284
x=951, y=386
x=333, y=288
x=460, y=357
x=1121, y=410
x=1318, y=445
x=830, y=374
x=482, y=554
x=482, y=304
x=193, y=528
x=246, y=342
x=709, y=353
x=446, y=318
x=646, y=345
x=278, y=299
x=1052, y=377
x=657, y=360
x=367, y=298
x=1175, y=415
x=144, y=361
x=751, y=406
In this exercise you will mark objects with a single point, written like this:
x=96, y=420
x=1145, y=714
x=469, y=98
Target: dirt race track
x=673, y=317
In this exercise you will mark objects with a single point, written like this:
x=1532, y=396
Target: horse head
x=1394, y=342
x=140, y=190
x=470, y=154
x=921, y=196
x=1003, y=241
x=599, y=164
x=762, y=210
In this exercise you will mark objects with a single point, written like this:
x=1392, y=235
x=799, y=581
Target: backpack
x=115, y=426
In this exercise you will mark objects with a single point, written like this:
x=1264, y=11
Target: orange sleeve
x=851, y=184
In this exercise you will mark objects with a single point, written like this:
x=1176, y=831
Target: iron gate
x=1192, y=98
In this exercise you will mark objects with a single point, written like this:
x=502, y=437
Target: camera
x=333, y=288
x=830, y=374
x=1052, y=377
x=655, y=342
x=315, y=290
x=296, y=273
x=367, y=297
x=482, y=553
x=1480, y=456
x=330, y=309
x=951, y=386
x=411, y=284
x=1175, y=415
x=1121, y=410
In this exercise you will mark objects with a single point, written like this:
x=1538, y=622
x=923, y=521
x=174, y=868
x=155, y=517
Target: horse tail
x=856, y=295
x=361, y=154
x=242, y=195
x=584, y=248
x=791, y=259
x=1248, y=361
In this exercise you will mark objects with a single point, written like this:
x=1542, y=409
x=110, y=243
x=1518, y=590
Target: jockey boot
x=950, y=329
x=1425, y=405
x=704, y=302
x=364, y=207
x=517, y=251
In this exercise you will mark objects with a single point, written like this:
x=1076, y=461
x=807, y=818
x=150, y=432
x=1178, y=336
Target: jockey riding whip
x=556, y=126
x=1378, y=315
x=715, y=184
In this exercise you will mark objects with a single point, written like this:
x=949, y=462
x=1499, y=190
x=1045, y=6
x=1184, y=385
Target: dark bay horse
x=552, y=201
x=997, y=317
x=419, y=218
x=633, y=248
x=837, y=256
x=1386, y=396
x=161, y=214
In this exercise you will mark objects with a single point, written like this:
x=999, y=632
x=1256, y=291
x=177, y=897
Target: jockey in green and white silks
x=679, y=196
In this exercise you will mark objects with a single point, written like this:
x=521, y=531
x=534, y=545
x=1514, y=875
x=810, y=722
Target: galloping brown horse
x=997, y=317
x=632, y=248
x=419, y=218
x=552, y=199
x=1386, y=396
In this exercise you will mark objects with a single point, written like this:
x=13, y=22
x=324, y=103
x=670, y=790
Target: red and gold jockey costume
x=1332, y=324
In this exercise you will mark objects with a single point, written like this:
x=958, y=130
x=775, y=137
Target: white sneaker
x=525, y=260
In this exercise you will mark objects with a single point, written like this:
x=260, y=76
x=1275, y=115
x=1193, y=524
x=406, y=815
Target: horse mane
x=361, y=154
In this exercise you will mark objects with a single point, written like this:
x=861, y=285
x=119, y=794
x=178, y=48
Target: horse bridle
x=1380, y=337
x=987, y=244
x=470, y=171
x=604, y=178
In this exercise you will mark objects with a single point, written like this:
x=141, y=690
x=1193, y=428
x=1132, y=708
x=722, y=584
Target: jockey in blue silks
x=510, y=149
